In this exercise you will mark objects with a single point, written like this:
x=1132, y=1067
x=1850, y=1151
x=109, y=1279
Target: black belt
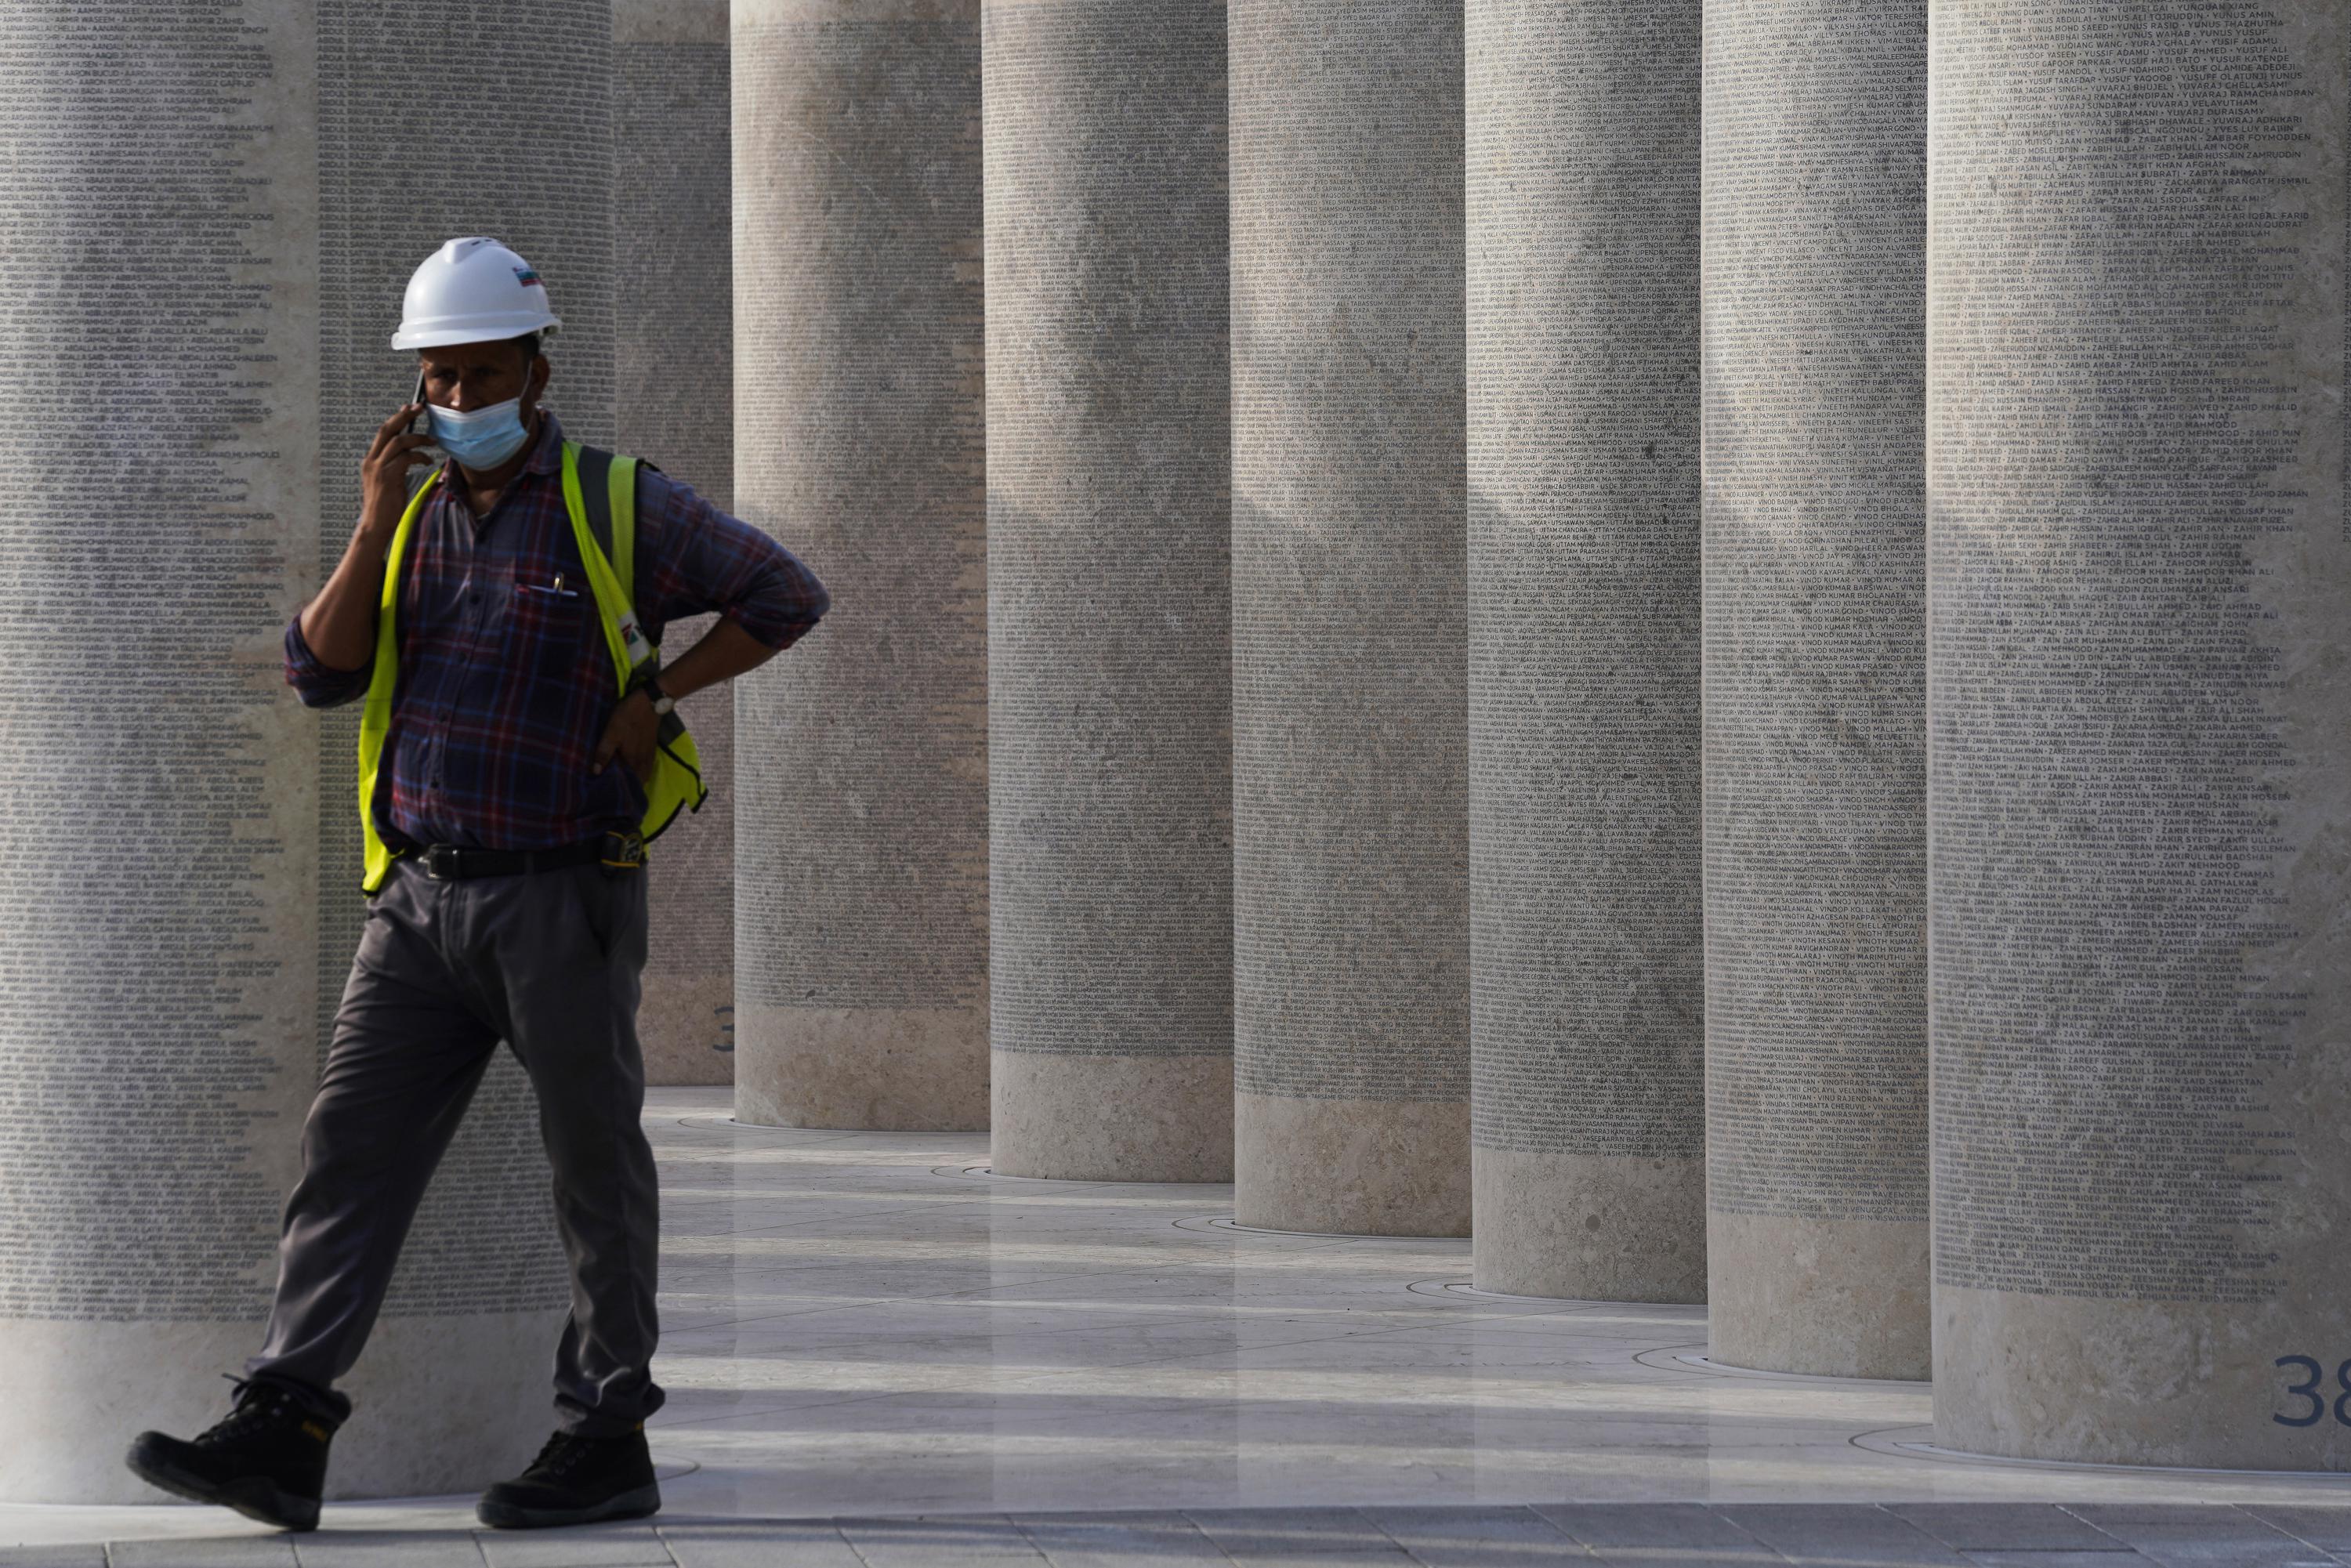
x=450, y=862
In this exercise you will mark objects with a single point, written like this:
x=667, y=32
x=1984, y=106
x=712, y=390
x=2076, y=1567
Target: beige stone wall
x=2140, y=579
x=1812, y=277
x=674, y=394
x=229, y=207
x=1350, y=939
x=1109, y=691
x=861, y=802
x=1585, y=938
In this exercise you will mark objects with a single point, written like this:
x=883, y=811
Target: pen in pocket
x=557, y=592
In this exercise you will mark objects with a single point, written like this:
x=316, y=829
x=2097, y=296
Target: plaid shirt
x=503, y=692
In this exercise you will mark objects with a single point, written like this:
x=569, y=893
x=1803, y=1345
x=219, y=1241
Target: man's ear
x=541, y=372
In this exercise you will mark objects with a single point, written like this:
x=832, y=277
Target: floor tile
x=2329, y=1528
x=271, y=1550
x=941, y=1541
x=1249, y=1536
x=747, y=1543
x=1618, y=1532
x=589, y=1546
x=92, y=1555
x=2107, y=1514
x=1138, y=1539
x=1469, y=1537
x=2005, y=1527
x=1825, y=1533
x=2242, y=1542
x=331, y=1548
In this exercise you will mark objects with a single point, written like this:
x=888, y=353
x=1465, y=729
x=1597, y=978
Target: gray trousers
x=550, y=961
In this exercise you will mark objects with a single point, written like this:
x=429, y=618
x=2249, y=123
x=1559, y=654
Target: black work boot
x=267, y=1458
x=576, y=1480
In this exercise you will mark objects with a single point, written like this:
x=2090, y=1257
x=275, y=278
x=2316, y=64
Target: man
x=507, y=898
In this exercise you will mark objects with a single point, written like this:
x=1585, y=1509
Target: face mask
x=480, y=438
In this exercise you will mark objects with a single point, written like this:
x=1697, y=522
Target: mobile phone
x=422, y=423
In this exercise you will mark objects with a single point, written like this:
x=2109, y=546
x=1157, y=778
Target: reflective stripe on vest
x=604, y=524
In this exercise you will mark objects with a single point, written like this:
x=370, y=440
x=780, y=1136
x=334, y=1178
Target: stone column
x=211, y=219
x=1816, y=751
x=861, y=848
x=1350, y=950
x=673, y=372
x=1110, y=684
x=1588, y=1044
x=2140, y=787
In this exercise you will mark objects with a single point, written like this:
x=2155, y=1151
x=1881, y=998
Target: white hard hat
x=471, y=290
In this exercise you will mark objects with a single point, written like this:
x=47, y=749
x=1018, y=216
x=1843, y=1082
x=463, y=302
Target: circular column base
x=1071, y=1117
x=877, y=1070
x=1357, y=1167
x=1592, y=1228
x=1825, y=1298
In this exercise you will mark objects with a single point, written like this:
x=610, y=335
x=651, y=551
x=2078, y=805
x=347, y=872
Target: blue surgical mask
x=480, y=438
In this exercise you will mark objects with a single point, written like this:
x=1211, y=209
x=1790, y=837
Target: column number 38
x=2312, y=1392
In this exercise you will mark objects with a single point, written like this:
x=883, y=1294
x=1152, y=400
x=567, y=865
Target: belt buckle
x=620, y=851
x=441, y=862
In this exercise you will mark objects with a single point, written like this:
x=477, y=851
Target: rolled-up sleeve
x=318, y=684
x=693, y=559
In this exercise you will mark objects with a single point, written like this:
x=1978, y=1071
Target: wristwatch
x=663, y=701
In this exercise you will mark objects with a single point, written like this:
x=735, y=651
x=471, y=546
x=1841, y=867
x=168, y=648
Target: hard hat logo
x=473, y=290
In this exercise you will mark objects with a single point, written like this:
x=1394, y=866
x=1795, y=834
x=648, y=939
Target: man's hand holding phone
x=398, y=447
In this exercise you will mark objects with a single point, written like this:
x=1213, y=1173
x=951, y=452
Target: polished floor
x=870, y=1329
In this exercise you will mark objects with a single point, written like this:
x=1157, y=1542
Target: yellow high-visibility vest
x=600, y=492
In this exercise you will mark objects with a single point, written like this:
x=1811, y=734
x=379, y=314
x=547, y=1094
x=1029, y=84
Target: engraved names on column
x=860, y=843
x=1110, y=660
x=1585, y=938
x=2141, y=774
x=1350, y=728
x=674, y=375
x=1815, y=756
x=157, y=836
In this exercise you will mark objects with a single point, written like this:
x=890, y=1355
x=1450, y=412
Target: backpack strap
x=596, y=501
x=608, y=494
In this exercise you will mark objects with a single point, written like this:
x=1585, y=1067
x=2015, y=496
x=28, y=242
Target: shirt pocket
x=546, y=632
